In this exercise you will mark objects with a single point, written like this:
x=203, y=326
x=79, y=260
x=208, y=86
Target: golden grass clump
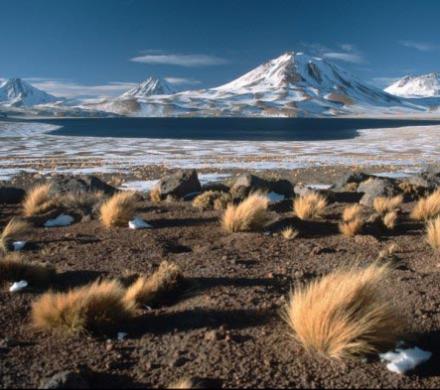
x=250, y=215
x=433, y=233
x=216, y=200
x=155, y=195
x=14, y=268
x=309, y=206
x=39, y=200
x=384, y=205
x=118, y=210
x=146, y=290
x=427, y=208
x=390, y=220
x=94, y=307
x=185, y=383
x=289, y=233
x=345, y=314
x=12, y=231
x=388, y=251
x=352, y=221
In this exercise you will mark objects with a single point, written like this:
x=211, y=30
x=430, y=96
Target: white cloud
x=181, y=81
x=420, y=46
x=344, y=56
x=187, y=60
x=70, y=89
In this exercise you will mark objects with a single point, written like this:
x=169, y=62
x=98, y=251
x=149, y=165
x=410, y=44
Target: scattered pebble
x=403, y=360
x=61, y=220
x=18, y=286
x=122, y=336
x=139, y=223
x=19, y=245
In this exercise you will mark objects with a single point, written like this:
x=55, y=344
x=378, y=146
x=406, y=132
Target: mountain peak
x=425, y=85
x=17, y=92
x=150, y=87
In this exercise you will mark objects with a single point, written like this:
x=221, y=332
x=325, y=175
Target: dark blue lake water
x=252, y=129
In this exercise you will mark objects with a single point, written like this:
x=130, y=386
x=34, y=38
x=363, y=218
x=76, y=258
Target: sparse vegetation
x=390, y=220
x=311, y=205
x=155, y=195
x=14, y=268
x=185, y=383
x=251, y=214
x=352, y=221
x=95, y=307
x=345, y=314
x=146, y=290
x=212, y=200
x=12, y=231
x=118, y=210
x=427, y=208
x=433, y=233
x=290, y=233
x=39, y=200
x=384, y=205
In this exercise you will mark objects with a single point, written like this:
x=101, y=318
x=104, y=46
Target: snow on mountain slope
x=427, y=85
x=150, y=87
x=16, y=92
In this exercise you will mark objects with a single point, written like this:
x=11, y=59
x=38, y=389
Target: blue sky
x=103, y=47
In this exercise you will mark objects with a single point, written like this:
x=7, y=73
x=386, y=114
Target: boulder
x=11, y=195
x=243, y=185
x=180, y=184
x=350, y=178
x=375, y=187
x=80, y=184
x=66, y=380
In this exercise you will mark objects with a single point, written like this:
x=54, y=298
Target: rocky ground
x=223, y=325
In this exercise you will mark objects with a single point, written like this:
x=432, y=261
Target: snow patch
x=18, y=245
x=274, y=197
x=18, y=286
x=61, y=220
x=403, y=360
x=138, y=223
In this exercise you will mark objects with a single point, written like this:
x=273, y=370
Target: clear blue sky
x=98, y=47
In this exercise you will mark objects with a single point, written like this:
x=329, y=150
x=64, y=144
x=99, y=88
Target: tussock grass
x=118, y=210
x=345, y=314
x=155, y=195
x=12, y=231
x=352, y=221
x=290, y=233
x=427, y=208
x=309, y=206
x=212, y=200
x=39, y=200
x=146, y=290
x=185, y=383
x=95, y=307
x=250, y=215
x=384, y=205
x=390, y=220
x=433, y=233
x=388, y=251
x=14, y=268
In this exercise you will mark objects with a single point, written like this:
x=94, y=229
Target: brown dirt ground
x=225, y=325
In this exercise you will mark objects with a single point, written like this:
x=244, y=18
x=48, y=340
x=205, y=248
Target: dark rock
x=243, y=185
x=351, y=177
x=373, y=188
x=81, y=184
x=66, y=380
x=180, y=184
x=11, y=195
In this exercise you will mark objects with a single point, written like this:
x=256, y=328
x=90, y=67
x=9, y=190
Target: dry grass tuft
x=185, y=383
x=290, y=233
x=14, y=268
x=433, y=233
x=212, y=200
x=389, y=251
x=390, y=220
x=352, y=221
x=427, y=208
x=344, y=314
x=118, y=210
x=95, y=307
x=384, y=205
x=12, y=231
x=39, y=200
x=146, y=290
x=249, y=215
x=309, y=206
x=155, y=195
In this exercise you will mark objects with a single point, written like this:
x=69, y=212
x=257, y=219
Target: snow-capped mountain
x=150, y=87
x=427, y=85
x=18, y=93
x=293, y=84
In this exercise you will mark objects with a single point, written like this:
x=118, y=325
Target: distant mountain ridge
x=17, y=92
x=427, y=85
x=150, y=87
